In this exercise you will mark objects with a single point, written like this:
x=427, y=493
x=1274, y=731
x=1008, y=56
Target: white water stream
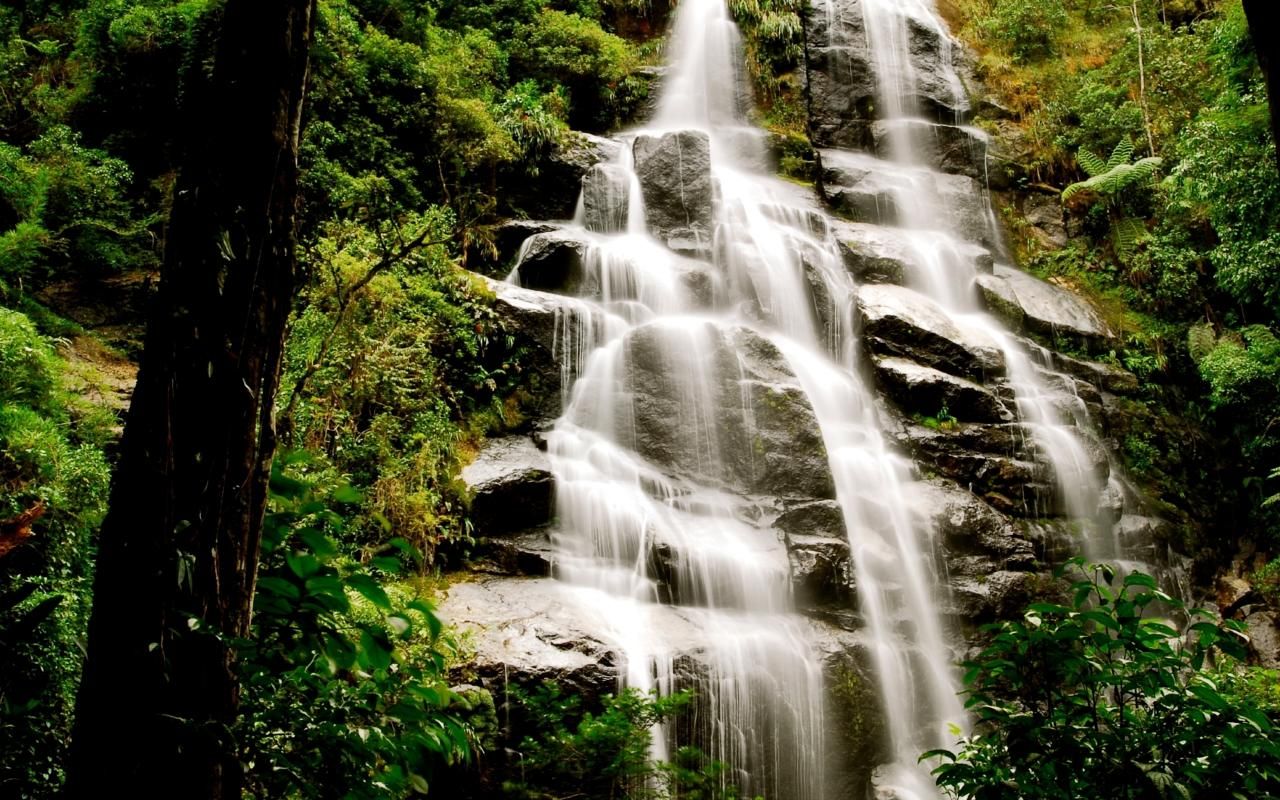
x=640, y=538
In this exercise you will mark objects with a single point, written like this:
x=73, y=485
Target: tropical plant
x=1107, y=180
x=343, y=677
x=1104, y=697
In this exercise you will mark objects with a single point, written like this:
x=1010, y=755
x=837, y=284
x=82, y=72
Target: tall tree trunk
x=178, y=551
x=1264, y=24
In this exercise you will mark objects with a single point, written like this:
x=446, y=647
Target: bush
x=1029, y=28
x=345, y=693
x=1104, y=698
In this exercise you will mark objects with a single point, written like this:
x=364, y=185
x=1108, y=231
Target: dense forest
x=285, y=223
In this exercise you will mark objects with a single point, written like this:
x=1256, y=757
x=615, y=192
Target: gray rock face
x=508, y=237
x=996, y=595
x=555, y=194
x=674, y=171
x=1107, y=377
x=954, y=149
x=1044, y=214
x=524, y=631
x=762, y=436
x=1264, y=638
x=818, y=552
x=606, y=198
x=843, y=79
x=972, y=530
x=1041, y=307
x=510, y=485
x=927, y=391
x=897, y=321
x=552, y=262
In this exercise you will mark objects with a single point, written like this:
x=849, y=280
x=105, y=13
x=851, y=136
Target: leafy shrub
x=343, y=678
x=26, y=362
x=1029, y=28
x=607, y=754
x=1104, y=698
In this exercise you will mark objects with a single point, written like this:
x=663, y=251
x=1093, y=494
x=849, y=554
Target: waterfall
x=715, y=382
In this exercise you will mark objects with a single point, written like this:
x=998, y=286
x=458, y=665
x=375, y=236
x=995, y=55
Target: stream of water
x=654, y=457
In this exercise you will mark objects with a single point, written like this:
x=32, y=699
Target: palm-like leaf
x=1090, y=162
x=1122, y=153
x=1125, y=236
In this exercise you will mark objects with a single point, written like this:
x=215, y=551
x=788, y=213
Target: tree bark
x=178, y=550
x=1264, y=23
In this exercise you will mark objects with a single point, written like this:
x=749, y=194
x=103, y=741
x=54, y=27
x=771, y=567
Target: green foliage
x=53, y=491
x=558, y=48
x=343, y=677
x=1029, y=28
x=1108, y=180
x=392, y=370
x=1105, y=698
x=607, y=754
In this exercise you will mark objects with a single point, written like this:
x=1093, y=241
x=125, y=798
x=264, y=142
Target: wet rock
x=900, y=322
x=552, y=262
x=525, y=631
x=867, y=189
x=530, y=553
x=980, y=599
x=554, y=195
x=606, y=198
x=1042, y=308
x=674, y=171
x=969, y=527
x=510, y=486
x=759, y=433
x=992, y=461
x=497, y=257
x=928, y=391
x=955, y=149
x=843, y=80
x=553, y=330
x=819, y=518
x=1141, y=536
x=1107, y=377
x=821, y=571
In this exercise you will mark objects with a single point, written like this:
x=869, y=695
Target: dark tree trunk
x=1264, y=29
x=178, y=551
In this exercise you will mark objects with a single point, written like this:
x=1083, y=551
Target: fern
x=1116, y=175
x=1200, y=341
x=1090, y=162
x=1125, y=236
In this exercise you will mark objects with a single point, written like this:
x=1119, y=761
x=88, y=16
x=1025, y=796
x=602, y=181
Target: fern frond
x=1126, y=234
x=1200, y=341
x=1122, y=153
x=1090, y=162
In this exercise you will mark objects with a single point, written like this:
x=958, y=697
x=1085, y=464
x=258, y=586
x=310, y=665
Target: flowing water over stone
x=719, y=416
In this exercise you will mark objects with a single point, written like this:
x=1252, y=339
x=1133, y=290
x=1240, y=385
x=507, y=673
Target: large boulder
x=897, y=321
x=924, y=390
x=1042, y=308
x=552, y=262
x=674, y=170
x=721, y=403
x=510, y=485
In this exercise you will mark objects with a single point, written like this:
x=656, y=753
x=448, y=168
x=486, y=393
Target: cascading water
x=706, y=308
x=635, y=537
x=1053, y=419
